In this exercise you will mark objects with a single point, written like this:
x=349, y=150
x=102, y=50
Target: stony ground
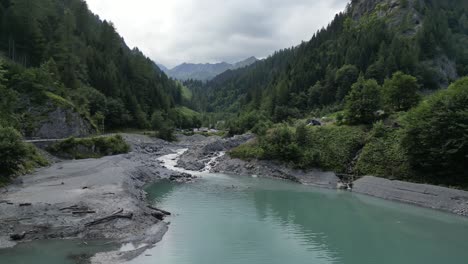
x=65, y=199
x=104, y=198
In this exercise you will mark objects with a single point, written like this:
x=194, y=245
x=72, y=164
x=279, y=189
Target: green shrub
x=362, y=102
x=329, y=147
x=12, y=150
x=279, y=144
x=332, y=147
x=96, y=147
x=400, y=93
x=436, y=135
x=247, y=151
x=383, y=155
x=16, y=157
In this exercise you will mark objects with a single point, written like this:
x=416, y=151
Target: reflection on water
x=224, y=219
x=243, y=220
x=53, y=252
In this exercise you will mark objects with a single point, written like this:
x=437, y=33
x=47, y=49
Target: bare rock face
x=62, y=123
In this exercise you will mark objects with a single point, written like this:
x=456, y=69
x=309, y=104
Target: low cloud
x=176, y=31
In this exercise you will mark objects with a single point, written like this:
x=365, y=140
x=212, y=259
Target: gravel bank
x=61, y=201
x=202, y=154
x=430, y=196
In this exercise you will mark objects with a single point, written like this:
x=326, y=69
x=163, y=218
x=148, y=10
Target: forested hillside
x=61, y=61
x=426, y=39
x=367, y=95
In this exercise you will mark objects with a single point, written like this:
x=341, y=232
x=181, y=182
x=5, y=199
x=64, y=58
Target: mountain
x=244, y=63
x=162, y=67
x=375, y=38
x=64, y=72
x=204, y=72
x=385, y=75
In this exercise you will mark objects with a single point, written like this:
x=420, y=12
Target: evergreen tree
x=362, y=102
x=346, y=76
x=400, y=93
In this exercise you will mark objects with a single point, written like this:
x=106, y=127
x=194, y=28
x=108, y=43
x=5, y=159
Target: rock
x=16, y=237
x=158, y=215
x=182, y=177
x=63, y=123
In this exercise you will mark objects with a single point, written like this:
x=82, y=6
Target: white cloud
x=175, y=31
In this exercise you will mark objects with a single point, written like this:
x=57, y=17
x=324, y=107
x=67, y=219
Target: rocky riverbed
x=424, y=195
x=90, y=199
x=104, y=198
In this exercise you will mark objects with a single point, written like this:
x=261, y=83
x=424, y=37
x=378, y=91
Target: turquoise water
x=243, y=220
x=53, y=251
x=223, y=219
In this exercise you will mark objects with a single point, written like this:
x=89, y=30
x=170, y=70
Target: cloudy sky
x=175, y=31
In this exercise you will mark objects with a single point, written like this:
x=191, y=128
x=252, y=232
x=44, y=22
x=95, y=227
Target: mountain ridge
x=204, y=71
x=378, y=37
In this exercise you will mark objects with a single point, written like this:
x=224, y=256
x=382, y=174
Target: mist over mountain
x=204, y=71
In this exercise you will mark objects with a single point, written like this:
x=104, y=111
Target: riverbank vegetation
x=429, y=143
x=366, y=95
x=17, y=157
x=58, y=57
x=94, y=147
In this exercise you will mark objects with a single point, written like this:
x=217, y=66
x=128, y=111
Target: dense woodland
x=56, y=54
x=376, y=78
x=59, y=49
x=427, y=40
x=372, y=77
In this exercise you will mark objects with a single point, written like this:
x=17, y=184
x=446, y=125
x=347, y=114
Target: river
x=232, y=219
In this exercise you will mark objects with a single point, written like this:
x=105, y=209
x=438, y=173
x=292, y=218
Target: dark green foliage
x=362, y=102
x=320, y=72
x=185, y=118
x=247, y=151
x=280, y=144
x=166, y=131
x=16, y=157
x=400, y=93
x=163, y=126
x=254, y=121
x=157, y=120
x=96, y=147
x=436, y=135
x=383, y=154
x=8, y=99
x=346, y=76
x=61, y=47
x=331, y=147
x=12, y=150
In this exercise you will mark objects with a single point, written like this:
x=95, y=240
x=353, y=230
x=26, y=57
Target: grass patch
x=95, y=147
x=248, y=151
x=59, y=101
x=186, y=93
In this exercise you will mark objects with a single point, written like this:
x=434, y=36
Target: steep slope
x=60, y=60
x=204, y=72
x=376, y=38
